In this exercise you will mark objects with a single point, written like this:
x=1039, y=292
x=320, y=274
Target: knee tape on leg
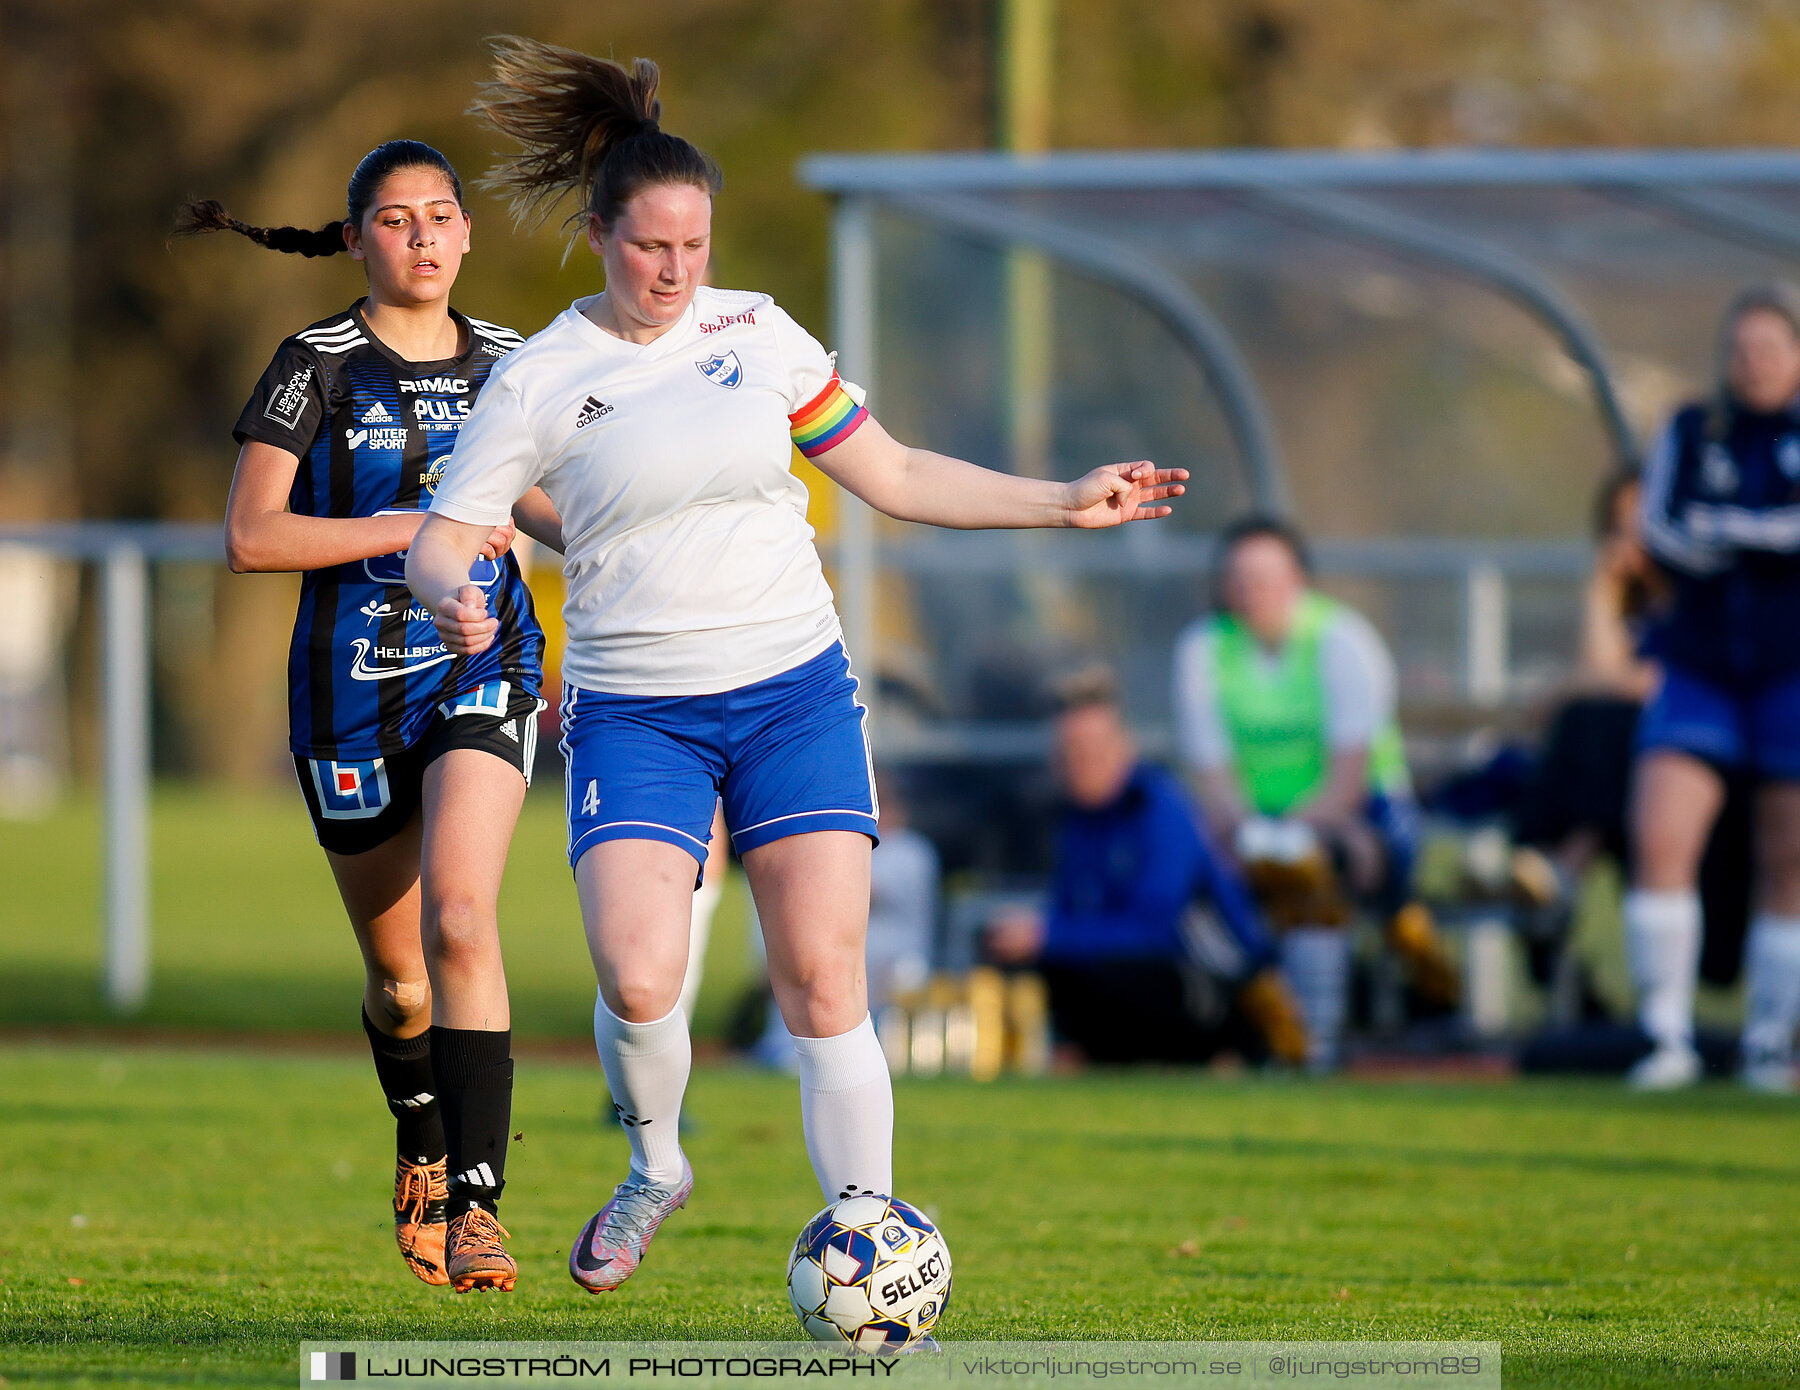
x=405, y=996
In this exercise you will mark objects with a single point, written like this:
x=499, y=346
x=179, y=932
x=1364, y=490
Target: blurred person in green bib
x=1285, y=717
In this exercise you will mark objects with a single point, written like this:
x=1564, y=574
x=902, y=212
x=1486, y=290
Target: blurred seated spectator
x=1151, y=948
x=903, y=902
x=1285, y=710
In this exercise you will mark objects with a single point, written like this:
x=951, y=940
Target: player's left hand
x=499, y=541
x=463, y=621
x=1121, y=492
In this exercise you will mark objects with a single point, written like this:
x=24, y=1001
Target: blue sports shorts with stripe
x=787, y=755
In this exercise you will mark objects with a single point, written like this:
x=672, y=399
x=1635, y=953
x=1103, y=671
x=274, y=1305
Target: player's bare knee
x=644, y=997
x=1667, y=858
x=821, y=1017
x=825, y=998
x=458, y=924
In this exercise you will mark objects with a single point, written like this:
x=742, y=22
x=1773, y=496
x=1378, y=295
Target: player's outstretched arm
x=437, y=571
x=261, y=534
x=918, y=485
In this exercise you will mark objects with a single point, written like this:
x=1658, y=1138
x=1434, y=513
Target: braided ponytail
x=207, y=215
x=588, y=125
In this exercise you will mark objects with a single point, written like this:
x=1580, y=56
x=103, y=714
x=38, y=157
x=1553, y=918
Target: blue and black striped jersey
x=373, y=432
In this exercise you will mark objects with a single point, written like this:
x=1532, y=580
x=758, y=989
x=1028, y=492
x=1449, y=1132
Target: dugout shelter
x=1430, y=360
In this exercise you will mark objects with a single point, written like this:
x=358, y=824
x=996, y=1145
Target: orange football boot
x=478, y=1261
x=419, y=1227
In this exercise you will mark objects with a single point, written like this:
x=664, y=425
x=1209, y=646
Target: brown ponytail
x=588, y=126
x=205, y=215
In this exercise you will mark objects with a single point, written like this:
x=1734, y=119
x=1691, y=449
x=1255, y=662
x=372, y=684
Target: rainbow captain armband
x=827, y=420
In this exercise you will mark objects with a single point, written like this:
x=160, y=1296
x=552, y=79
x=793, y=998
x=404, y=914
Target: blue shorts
x=789, y=754
x=1755, y=729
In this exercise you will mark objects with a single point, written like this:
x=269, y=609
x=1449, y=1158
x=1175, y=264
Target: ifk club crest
x=722, y=369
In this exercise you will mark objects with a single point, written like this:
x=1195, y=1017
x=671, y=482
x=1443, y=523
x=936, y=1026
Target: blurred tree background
x=127, y=357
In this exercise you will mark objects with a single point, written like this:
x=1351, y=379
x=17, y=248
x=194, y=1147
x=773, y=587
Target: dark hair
x=1254, y=527
x=206, y=215
x=1085, y=687
x=1778, y=297
x=588, y=126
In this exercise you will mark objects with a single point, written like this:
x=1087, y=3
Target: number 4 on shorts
x=590, y=803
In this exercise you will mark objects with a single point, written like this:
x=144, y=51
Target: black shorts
x=356, y=806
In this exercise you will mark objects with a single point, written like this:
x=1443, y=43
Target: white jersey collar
x=677, y=334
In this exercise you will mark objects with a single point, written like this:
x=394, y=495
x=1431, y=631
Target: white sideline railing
x=124, y=552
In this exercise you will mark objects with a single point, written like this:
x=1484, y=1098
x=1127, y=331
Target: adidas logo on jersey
x=377, y=414
x=591, y=412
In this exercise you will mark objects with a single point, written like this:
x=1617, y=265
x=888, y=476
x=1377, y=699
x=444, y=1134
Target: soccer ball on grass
x=869, y=1271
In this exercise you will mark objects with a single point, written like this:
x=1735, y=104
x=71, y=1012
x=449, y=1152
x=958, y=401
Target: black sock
x=403, y=1066
x=474, y=1074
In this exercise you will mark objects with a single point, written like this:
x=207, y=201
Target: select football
x=870, y=1271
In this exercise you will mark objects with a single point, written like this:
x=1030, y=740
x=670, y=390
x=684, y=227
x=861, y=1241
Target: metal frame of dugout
x=1329, y=193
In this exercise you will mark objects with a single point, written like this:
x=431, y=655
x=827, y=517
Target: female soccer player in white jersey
x=704, y=655
x=413, y=759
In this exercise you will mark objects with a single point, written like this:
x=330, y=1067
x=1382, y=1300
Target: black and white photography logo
x=332, y=1365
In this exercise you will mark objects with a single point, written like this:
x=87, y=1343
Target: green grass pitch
x=188, y=1216
x=248, y=933
x=232, y=1203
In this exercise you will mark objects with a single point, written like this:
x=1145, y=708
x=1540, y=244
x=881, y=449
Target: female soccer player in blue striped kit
x=413, y=759
x=704, y=655
x=1722, y=517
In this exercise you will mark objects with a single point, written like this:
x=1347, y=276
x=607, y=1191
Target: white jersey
x=1354, y=668
x=689, y=562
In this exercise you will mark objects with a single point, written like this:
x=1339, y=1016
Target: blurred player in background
x=1130, y=941
x=413, y=761
x=1722, y=518
x=1285, y=714
x=904, y=880
x=1571, y=809
x=704, y=907
x=705, y=658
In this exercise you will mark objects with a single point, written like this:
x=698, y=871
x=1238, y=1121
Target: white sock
x=647, y=1068
x=706, y=902
x=1662, y=939
x=1316, y=961
x=1772, y=987
x=847, y=1112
